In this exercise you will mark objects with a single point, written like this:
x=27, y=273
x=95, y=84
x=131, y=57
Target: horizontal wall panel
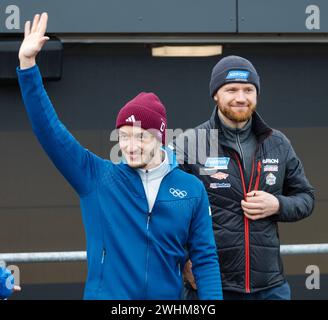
x=122, y=16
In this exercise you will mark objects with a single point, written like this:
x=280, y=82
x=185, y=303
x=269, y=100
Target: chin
x=136, y=165
x=241, y=117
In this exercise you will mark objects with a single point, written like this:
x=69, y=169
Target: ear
x=215, y=98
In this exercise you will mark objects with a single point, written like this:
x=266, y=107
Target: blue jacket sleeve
x=76, y=163
x=202, y=252
x=6, y=283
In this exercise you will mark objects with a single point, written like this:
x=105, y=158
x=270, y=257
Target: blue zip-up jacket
x=132, y=253
x=6, y=289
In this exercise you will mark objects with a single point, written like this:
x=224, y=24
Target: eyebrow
x=135, y=133
x=122, y=131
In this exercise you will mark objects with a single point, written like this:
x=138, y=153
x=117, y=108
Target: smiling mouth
x=134, y=157
x=239, y=107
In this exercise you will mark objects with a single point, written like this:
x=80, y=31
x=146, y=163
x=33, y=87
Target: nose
x=132, y=146
x=240, y=96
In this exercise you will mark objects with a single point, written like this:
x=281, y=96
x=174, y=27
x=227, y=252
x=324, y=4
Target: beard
x=237, y=116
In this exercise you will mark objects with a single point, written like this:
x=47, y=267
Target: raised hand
x=34, y=39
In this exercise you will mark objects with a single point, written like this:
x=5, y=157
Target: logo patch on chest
x=220, y=175
x=270, y=161
x=270, y=168
x=220, y=163
x=220, y=185
x=178, y=193
x=270, y=179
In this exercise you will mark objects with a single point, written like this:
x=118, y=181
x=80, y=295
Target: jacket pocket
x=179, y=268
x=102, y=268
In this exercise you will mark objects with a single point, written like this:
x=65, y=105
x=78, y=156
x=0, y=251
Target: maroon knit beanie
x=147, y=109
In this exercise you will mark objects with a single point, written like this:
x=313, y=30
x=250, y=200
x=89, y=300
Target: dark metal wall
x=40, y=212
x=170, y=16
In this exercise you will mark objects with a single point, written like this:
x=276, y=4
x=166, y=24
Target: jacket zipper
x=240, y=149
x=147, y=256
x=246, y=221
x=148, y=234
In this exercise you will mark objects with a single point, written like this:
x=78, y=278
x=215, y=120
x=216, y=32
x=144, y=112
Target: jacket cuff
x=27, y=70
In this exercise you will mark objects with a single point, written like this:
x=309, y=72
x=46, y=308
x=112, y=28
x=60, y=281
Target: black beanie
x=233, y=69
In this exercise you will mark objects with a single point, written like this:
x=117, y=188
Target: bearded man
x=254, y=180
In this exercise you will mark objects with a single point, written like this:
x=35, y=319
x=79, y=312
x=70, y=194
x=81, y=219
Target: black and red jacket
x=249, y=251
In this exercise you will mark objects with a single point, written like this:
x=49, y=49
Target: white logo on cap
x=131, y=119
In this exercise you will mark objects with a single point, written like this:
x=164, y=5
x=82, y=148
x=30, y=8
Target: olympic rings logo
x=178, y=193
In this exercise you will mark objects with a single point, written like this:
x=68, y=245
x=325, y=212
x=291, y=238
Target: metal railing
x=78, y=256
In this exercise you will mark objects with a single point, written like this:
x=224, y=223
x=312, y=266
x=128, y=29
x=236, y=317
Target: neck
x=230, y=123
x=156, y=160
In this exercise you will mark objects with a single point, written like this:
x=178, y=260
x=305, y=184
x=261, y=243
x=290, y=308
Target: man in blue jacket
x=7, y=283
x=139, y=215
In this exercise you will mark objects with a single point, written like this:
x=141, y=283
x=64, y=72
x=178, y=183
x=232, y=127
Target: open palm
x=34, y=37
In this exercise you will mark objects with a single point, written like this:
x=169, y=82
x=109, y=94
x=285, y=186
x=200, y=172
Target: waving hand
x=34, y=39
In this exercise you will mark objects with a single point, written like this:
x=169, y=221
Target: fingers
x=43, y=41
x=17, y=289
x=251, y=194
x=253, y=211
x=42, y=26
x=254, y=193
x=254, y=197
x=251, y=205
x=193, y=285
x=254, y=217
x=27, y=29
x=35, y=23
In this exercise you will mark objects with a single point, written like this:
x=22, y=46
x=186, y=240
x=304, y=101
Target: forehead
x=131, y=130
x=237, y=85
